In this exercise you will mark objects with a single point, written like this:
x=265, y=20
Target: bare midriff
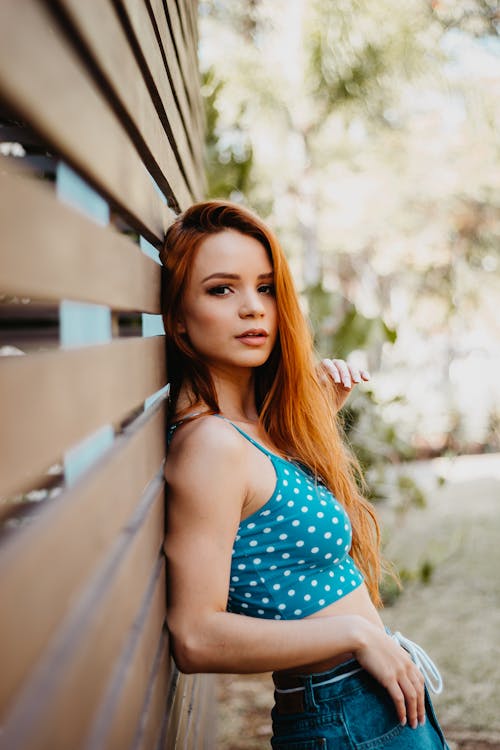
x=358, y=602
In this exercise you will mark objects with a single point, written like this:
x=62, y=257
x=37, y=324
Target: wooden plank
x=51, y=400
x=149, y=734
x=56, y=705
x=42, y=80
x=83, y=515
x=60, y=254
x=189, y=68
x=120, y=711
x=194, y=127
x=103, y=36
x=160, y=87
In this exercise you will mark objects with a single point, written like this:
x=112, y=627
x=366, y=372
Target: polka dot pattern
x=290, y=558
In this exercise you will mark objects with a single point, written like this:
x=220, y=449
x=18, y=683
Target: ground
x=455, y=616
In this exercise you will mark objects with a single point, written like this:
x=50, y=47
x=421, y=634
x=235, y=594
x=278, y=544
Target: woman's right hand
x=393, y=667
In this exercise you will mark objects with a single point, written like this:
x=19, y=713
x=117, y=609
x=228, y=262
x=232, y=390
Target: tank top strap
x=250, y=438
x=172, y=428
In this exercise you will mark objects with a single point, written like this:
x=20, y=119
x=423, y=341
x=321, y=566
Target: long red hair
x=296, y=408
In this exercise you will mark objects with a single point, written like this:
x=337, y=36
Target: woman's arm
x=208, y=487
x=344, y=376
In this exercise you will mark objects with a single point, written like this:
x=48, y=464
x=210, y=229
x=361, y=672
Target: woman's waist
x=358, y=602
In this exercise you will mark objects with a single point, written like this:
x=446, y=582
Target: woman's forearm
x=226, y=642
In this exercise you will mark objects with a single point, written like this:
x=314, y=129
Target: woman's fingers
x=344, y=373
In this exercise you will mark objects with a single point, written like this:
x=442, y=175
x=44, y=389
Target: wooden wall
x=101, y=133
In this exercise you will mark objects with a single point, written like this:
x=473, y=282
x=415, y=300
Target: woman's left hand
x=344, y=376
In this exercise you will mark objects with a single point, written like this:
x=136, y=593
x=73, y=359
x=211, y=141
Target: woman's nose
x=252, y=305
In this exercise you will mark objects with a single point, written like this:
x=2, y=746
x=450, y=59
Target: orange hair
x=296, y=408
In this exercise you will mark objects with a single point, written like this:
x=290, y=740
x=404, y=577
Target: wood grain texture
x=63, y=692
x=59, y=254
x=51, y=400
x=50, y=89
x=90, y=515
x=164, y=151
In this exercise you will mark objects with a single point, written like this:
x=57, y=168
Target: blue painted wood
x=83, y=324
x=152, y=325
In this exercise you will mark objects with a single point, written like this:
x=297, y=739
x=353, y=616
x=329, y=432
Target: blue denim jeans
x=355, y=713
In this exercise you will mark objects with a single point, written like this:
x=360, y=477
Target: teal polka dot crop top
x=291, y=557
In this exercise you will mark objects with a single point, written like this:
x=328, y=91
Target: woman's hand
x=344, y=376
x=393, y=667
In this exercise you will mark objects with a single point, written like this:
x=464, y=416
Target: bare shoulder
x=203, y=445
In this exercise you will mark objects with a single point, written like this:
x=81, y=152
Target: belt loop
x=309, y=700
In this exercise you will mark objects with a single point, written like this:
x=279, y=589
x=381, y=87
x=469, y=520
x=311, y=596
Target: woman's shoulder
x=207, y=441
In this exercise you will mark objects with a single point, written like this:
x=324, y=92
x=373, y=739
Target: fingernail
x=403, y=722
x=356, y=379
x=422, y=722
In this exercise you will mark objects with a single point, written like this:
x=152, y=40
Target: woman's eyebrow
x=223, y=275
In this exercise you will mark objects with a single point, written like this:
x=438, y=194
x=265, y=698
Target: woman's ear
x=180, y=326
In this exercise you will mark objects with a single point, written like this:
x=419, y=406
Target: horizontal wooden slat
x=51, y=400
x=43, y=81
x=75, y=529
x=194, y=131
x=120, y=711
x=57, y=703
x=188, y=69
x=59, y=254
x=161, y=90
x=150, y=730
x=99, y=28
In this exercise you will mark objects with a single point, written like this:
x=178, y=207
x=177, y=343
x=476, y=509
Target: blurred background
x=367, y=135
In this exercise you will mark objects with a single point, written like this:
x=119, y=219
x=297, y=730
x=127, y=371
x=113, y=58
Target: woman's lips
x=253, y=337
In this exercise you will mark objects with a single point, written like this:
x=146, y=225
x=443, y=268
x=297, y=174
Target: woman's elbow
x=186, y=651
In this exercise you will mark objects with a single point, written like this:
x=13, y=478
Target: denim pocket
x=431, y=716
x=371, y=719
x=318, y=743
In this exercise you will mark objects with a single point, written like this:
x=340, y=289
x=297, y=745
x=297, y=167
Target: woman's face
x=229, y=307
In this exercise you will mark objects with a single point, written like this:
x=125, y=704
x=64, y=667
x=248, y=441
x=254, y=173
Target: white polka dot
x=302, y=578
x=320, y=514
x=273, y=567
x=321, y=602
x=280, y=518
x=353, y=583
x=314, y=550
x=342, y=579
x=297, y=611
x=257, y=561
x=335, y=520
x=276, y=586
x=311, y=529
x=281, y=606
x=253, y=583
x=270, y=549
x=300, y=543
x=266, y=530
x=283, y=536
x=328, y=555
x=285, y=482
x=328, y=535
x=323, y=502
x=291, y=592
x=251, y=526
x=285, y=555
x=295, y=523
x=253, y=543
x=277, y=617
x=265, y=513
x=235, y=578
x=241, y=566
x=279, y=496
x=248, y=594
x=309, y=497
x=346, y=527
x=327, y=587
x=286, y=471
x=307, y=597
x=314, y=583
x=339, y=592
x=301, y=562
x=304, y=509
x=260, y=611
x=265, y=600
x=231, y=588
x=339, y=541
x=290, y=503
x=244, y=605
x=296, y=490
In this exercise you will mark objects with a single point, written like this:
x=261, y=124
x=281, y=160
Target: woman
x=273, y=553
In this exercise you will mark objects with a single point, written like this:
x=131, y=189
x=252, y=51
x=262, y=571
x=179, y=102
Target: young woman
x=273, y=553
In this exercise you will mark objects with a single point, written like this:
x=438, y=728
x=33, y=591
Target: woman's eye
x=219, y=291
x=266, y=288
